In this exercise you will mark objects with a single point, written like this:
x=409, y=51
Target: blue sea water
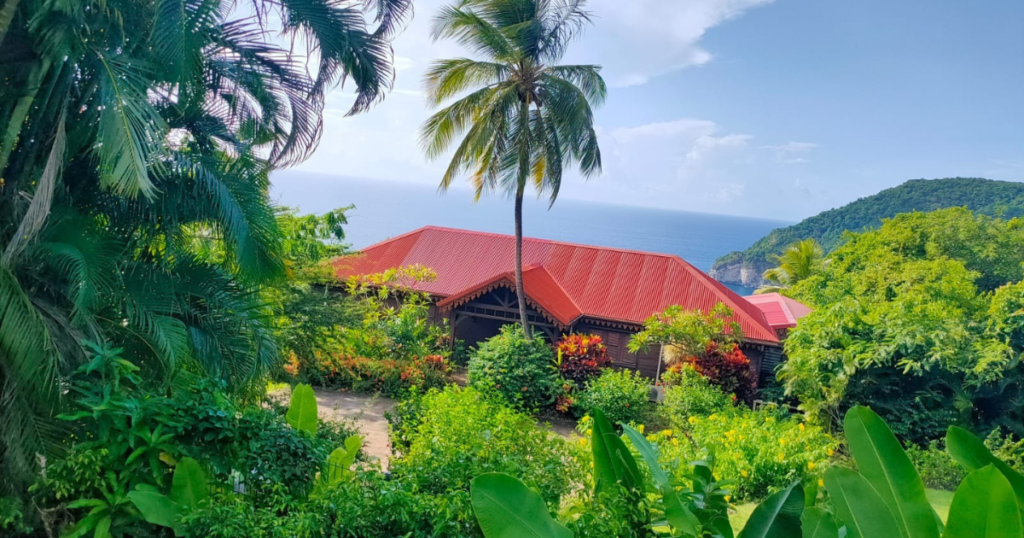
x=388, y=208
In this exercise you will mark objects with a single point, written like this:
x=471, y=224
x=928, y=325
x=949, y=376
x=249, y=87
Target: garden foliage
x=520, y=369
x=622, y=395
x=885, y=497
x=581, y=357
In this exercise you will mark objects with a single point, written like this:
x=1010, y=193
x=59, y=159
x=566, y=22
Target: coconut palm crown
x=522, y=117
x=798, y=261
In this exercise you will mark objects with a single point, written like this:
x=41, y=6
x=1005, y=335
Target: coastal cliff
x=739, y=272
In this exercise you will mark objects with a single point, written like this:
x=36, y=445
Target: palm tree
x=127, y=129
x=798, y=261
x=525, y=118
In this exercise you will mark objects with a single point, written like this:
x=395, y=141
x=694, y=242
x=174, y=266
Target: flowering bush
x=688, y=394
x=623, y=395
x=520, y=369
x=581, y=357
x=763, y=452
x=728, y=368
x=387, y=376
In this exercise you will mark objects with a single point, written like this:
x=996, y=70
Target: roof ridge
x=548, y=241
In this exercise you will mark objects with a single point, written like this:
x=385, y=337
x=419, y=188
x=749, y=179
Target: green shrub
x=762, y=452
x=460, y=433
x=690, y=394
x=937, y=468
x=1006, y=448
x=522, y=370
x=12, y=517
x=623, y=395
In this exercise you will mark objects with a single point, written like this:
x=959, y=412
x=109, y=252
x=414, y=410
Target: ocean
x=388, y=208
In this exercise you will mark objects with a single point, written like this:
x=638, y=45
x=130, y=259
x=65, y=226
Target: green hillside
x=986, y=196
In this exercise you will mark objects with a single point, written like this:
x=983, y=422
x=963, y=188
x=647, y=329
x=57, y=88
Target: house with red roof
x=568, y=288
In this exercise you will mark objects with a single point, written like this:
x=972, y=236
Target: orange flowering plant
x=581, y=357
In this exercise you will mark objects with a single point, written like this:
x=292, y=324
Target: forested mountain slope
x=1005, y=198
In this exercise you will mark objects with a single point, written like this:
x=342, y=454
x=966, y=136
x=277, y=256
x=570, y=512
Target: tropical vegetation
x=885, y=496
x=922, y=320
x=797, y=262
x=984, y=196
x=131, y=130
x=526, y=118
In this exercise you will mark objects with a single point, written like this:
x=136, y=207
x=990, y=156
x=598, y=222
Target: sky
x=763, y=108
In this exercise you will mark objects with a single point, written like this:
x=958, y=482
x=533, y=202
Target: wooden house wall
x=616, y=340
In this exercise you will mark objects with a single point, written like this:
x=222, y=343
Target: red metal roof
x=780, y=311
x=565, y=280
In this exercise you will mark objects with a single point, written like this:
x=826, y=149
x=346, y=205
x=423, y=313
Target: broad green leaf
x=984, y=507
x=778, y=516
x=972, y=453
x=858, y=505
x=881, y=460
x=818, y=523
x=506, y=508
x=302, y=409
x=158, y=509
x=612, y=460
x=188, y=486
x=102, y=528
x=677, y=514
x=342, y=458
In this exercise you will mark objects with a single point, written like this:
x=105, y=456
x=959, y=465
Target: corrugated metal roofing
x=781, y=312
x=565, y=279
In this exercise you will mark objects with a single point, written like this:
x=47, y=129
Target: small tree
x=709, y=342
x=687, y=333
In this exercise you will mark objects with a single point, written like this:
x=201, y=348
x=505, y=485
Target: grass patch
x=940, y=502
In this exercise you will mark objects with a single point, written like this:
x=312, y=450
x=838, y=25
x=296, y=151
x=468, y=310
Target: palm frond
x=28, y=376
x=34, y=218
x=130, y=129
x=447, y=78
x=473, y=31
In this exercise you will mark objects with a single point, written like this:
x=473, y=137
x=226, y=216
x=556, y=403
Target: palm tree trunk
x=520, y=289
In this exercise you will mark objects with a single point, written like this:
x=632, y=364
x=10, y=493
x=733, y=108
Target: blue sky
x=777, y=109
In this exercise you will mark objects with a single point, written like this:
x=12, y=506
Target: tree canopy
x=921, y=319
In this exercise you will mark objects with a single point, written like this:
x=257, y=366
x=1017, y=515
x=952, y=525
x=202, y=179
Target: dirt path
x=366, y=411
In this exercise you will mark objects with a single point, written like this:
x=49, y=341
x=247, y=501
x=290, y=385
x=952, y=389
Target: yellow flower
x=830, y=452
x=782, y=442
x=692, y=420
x=640, y=428
x=727, y=497
x=583, y=441
x=744, y=473
x=782, y=457
x=810, y=465
x=801, y=426
x=821, y=483
x=590, y=432
x=667, y=433
x=675, y=441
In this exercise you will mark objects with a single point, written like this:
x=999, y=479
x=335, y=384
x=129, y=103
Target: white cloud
x=708, y=145
x=792, y=152
x=636, y=40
